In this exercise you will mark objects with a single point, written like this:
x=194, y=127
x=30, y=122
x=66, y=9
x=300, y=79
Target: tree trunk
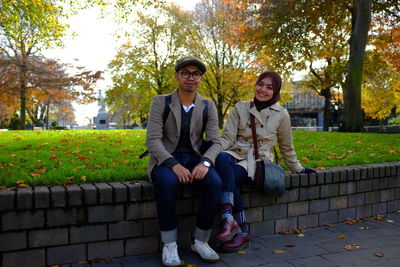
x=361, y=19
x=22, y=95
x=326, y=93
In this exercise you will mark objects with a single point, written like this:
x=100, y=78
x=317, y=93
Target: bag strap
x=254, y=134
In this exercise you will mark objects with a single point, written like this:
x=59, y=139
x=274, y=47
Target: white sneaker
x=170, y=255
x=206, y=253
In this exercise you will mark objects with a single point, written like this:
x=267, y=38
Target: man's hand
x=199, y=172
x=183, y=174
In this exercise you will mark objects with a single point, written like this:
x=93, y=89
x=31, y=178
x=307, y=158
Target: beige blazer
x=162, y=142
x=272, y=124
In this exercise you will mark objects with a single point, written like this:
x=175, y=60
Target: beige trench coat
x=161, y=142
x=272, y=124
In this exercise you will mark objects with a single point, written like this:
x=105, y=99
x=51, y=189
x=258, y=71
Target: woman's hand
x=307, y=170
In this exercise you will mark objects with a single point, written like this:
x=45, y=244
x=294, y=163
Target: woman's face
x=264, y=90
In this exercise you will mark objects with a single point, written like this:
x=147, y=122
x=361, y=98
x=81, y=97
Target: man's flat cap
x=187, y=61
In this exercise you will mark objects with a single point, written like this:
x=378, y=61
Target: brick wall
x=43, y=226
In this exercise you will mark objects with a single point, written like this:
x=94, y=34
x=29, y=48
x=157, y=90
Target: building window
x=102, y=121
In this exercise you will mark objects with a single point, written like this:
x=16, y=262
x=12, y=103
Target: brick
x=186, y=223
x=49, y=237
x=286, y=224
x=66, y=254
x=141, y=210
x=393, y=170
x=245, y=198
x=320, y=205
x=370, y=171
x=120, y=192
x=287, y=180
x=320, y=178
x=364, y=186
x=329, y=190
x=259, y=199
x=343, y=176
x=88, y=233
x=105, y=193
x=376, y=172
x=151, y=227
x=134, y=191
x=308, y=221
x=57, y=196
x=298, y=208
x=74, y=195
x=328, y=217
x=393, y=182
x=372, y=197
x=188, y=191
x=336, y=203
x=66, y=216
x=311, y=192
x=105, y=213
x=295, y=178
x=27, y=258
x=355, y=200
x=275, y=211
x=379, y=183
x=7, y=199
x=262, y=228
x=335, y=176
x=381, y=171
x=142, y=245
x=184, y=206
x=289, y=196
x=350, y=174
x=108, y=249
x=387, y=195
x=184, y=239
x=148, y=190
x=388, y=171
x=22, y=220
x=393, y=206
x=12, y=241
x=89, y=194
x=24, y=198
x=328, y=177
x=364, y=211
x=397, y=193
x=254, y=214
x=303, y=179
x=312, y=178
x=347, y=188
x=379, y=208
x=357, y=174
x=41, y=196
x=363, y=173
x=346, y=214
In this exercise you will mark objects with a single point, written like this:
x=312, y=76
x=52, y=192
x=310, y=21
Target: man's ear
x=176, y=75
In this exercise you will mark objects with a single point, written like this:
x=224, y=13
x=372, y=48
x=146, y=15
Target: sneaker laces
x=206, y=246
x=172, y=254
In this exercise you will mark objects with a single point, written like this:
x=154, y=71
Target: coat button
x=262, y=126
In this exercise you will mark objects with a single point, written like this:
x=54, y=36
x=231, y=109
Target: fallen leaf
x=190, y=265
x=379, y=254
x=95, y=260
x=278, y=251
x=35, y=174
x=23, y=185
x=351, y=246
x=304, y=159
x=83, y=262
x=108, y=259
x=241, y=252
x=300, y=235
x=390, y=221
x=44, y=144
x=330, y=225
x=55, y=265
x=20, y=181
x=290, y=245
x=364, y=227
x=52, y=157
x=70, y=178
x=350, y=221
x=13, y=155
x=83, y=178
x=341, y=236
x=2, y=187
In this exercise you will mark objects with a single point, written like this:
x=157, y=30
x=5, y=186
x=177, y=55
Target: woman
x=236, y=164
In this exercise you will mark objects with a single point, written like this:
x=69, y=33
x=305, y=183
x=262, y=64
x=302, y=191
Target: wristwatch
x=206, y=163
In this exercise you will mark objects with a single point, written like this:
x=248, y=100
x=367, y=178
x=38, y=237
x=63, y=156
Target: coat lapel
x=197, y=114
x=256, y=114
x=175, y=107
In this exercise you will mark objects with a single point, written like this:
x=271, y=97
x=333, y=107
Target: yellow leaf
x=70, y=178
x=300, y=235
x=379, y=254
x=35, y=174
x=304, y=159
x=279, y=251
x=20, y=182
x=83, y=178
x=290, y=245
x=241, y=252
x=2, y=187
x=83, y=262
x=13, y=155
x=390, y=221
x=44, y=144
x=23, y=185
x=341, y=236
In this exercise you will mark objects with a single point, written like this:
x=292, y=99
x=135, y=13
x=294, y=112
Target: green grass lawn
x=60, y=157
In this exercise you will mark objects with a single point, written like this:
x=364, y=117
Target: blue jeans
x=232, y=176
x=166, y=186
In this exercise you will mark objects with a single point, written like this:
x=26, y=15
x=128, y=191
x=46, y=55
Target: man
x=174, y=139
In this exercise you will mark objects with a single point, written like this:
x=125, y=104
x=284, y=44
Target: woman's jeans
x=166, y=186
x=232, y=176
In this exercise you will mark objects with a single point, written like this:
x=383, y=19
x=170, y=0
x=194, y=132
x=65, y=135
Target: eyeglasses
x=195, y=74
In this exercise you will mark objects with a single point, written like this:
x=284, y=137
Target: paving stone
x=312, y=261
x=138, y=246
x=66, y=254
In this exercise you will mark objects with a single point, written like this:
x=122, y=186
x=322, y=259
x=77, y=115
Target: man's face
x=188, y=78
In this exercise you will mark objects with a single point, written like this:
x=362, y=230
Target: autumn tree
x=144, y=65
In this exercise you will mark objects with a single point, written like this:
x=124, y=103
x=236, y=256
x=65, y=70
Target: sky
x=93, y=47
